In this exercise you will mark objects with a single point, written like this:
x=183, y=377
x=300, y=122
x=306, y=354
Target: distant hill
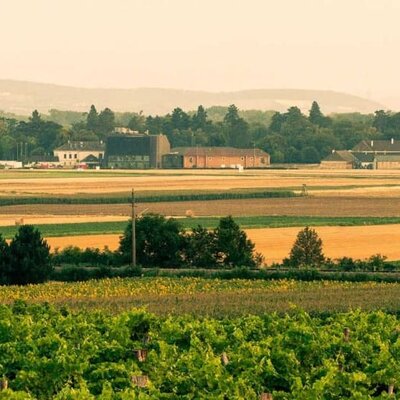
x=20, y=97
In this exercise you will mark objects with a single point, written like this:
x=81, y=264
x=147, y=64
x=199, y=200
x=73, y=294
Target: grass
x=217, y=298
x=98, y=228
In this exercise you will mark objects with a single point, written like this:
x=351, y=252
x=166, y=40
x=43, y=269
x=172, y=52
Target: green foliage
x=4, y=259
x=159, y=241
x=232, y=245
x=306, y=250
x=30, y=260
x=201, y=248
x=55, y=354
x=162, y=242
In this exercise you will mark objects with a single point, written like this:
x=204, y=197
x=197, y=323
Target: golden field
x=275, y=243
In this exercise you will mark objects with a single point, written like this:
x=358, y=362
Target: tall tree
x=236, y=128
x=233, y=246
x=199, y=119
x=92, y=119
x=316, y=117
x=4, y=260
x=30, y=260
x=306, y=250
x=159, y=241
x=106, y=122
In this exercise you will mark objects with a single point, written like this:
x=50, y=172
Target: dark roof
x=365, y=157
x=377, y=146
x=82, y=146
x=219, y=152
x=90, y=159
x=340, y=155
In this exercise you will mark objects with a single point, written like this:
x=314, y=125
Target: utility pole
x=133, y=229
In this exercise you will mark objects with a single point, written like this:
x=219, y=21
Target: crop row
x=10, y=201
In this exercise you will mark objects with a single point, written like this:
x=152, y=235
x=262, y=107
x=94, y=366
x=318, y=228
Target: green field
x=99, y=228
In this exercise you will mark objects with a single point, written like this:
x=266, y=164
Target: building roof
x=364, y=157
x=340, y=155
x=380, y=146
x=90, y=159
x=82, y=146
x=218, y=152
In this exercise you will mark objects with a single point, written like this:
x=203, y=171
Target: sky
x=211, y=45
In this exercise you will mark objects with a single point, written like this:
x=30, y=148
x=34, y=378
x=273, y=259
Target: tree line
x=290, y=137
x=162, y=243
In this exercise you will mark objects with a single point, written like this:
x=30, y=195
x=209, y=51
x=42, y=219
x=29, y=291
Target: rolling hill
x=21, y=98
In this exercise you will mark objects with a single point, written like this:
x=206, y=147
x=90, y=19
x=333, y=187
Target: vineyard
x=215, y=298
x=54, y=354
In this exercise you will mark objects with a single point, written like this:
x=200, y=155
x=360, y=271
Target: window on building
x=69, y=155
x=65, y=156
x=191, y=159
x=242, y=158
x=75, y=155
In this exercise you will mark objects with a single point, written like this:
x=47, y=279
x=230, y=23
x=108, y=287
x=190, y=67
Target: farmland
x=282, y=337
x=349, y=207
x=210, y=297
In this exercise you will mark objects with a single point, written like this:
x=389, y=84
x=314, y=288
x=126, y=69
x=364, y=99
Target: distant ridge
x=21, y=98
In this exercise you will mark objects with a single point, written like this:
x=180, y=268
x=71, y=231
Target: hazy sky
x=343, y=45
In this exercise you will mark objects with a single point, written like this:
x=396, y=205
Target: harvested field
x=275, y=243
x=297, y=206
x=36, y=219
x=99, y=241
x=192, y=180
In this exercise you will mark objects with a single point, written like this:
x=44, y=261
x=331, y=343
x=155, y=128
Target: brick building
x=215, y=157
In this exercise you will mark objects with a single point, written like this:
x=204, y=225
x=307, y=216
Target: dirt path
x=275, y=244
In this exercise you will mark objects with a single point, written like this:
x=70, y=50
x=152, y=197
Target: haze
x=215, y=45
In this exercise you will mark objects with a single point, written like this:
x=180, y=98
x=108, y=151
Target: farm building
x=215, y=157
x=373, y=154
x=341, y=159
x=388, y=161
x=73, y=154
x=378, y=147
x=136, y=151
